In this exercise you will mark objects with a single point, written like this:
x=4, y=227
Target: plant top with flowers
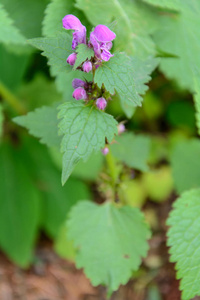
x=80, y=126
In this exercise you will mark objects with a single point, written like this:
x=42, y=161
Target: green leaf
x=170, y=4
x=135, y=22
x=27, y=15
x=85, y=129
x=179, y=34
x=110, y=241
x=1, y=120
x=9, y=33
x=132, y=149
x=186, y=165
x=56, y=49
x=42, y=123
x=127, y=76
x=83, y=53
x=19, y=207
x=183, y=238
x=197, y=99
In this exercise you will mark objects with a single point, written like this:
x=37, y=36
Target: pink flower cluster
x=101, y=41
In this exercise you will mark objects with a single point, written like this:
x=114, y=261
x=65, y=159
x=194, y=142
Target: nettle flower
x=101, y=42
x=79, y=35
x=101, y=38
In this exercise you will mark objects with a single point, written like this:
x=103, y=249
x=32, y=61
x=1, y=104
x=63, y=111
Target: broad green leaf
x=83, y=53
x=1, y=120
x=19, y=207
x=179, y=34
x=110, y=241
x=127, y=76
x=132, y=149
x=42, y=123
x=170, y=4
x=56, y=49
x=27, y=15
x=84, y=129
x=38, y=92
x=9, y=33
x=55, y=12
x=186, y=165
x=183, y=238
x=197, y=99
x=135, y=22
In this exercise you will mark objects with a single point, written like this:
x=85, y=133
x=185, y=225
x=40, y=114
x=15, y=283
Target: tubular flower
x=79, y=93
x=79, y=35
x=101, y=39
x=87, y=66
x=105, y=150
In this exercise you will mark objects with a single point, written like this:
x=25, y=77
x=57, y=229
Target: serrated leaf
x=56, y=49
x=197, y=98
x=83, y=53
x=19, y=207
x=9, y=33
x=186, y=165
x=127, y=76
x=132, y=150
x=42, y=123
x=179, y=34
x=183, y=238
x=27, y=15
x=85, y=129
x=110, y=241
x=135, y=22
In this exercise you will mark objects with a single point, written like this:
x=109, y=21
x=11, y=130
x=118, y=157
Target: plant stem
x=11, y=99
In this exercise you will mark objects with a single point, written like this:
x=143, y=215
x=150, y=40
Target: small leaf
x=1, y=120
x=85, y=129
x=186, y=165
x=110, y=241
x=127, y=76
x=183, y=238
x=83, y=53
x=42, y=123
x=132, y=150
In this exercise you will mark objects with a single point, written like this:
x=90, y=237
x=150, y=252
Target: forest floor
x=52, y=278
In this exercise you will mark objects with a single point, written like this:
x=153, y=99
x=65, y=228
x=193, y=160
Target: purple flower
x=78, y=83
x=101, y=103
x=71, y=59
x=105, y=150
x=79, y=93
x=101, y=39
x=79, y=36
x=87, y=66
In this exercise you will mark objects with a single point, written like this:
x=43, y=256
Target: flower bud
x=87, y=66
x=78, y=83
x=121, y=128
x=105, y=150
x=101, y=103
x=71, y=59
x=79, y=93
